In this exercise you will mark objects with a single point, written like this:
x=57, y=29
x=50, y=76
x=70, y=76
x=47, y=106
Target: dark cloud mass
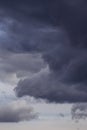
x=55, y=29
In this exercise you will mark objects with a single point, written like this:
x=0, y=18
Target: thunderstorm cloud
x=44, y=43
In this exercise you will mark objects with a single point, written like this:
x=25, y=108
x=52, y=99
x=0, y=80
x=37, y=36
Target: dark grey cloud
x=17, y=111
x=57, y=30
x=47, y=86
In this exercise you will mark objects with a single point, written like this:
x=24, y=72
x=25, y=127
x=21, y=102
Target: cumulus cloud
x=17, y=111
x=57, y=30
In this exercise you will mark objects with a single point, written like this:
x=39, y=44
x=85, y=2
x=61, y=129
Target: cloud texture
x=55, y=32
x=79, y=111
x=16, y=111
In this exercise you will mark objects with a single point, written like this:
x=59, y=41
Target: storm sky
x=43, y=55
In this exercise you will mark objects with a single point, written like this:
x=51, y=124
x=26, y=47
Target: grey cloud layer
x=16, y=66
x=16, y=111
x=57, y=30
x=22, y=62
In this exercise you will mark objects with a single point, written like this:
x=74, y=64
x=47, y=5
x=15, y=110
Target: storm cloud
x=57, y=31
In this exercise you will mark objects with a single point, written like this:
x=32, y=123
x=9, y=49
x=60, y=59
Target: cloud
x=17, y=111
x=46, y=86
x=57, y=30
x=79, y=111
x=16, y=66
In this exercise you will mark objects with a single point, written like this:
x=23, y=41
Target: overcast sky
x=43, y=64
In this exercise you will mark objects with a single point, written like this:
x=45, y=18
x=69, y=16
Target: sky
x=43, y=64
